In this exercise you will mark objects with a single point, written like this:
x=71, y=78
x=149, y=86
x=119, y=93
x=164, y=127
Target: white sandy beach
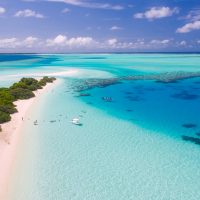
x=65, y=73
x=10, y=136
x=71, y=72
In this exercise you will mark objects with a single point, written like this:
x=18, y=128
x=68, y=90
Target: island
x=24, y=89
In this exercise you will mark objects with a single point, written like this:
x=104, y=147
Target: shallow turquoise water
x=130, y=148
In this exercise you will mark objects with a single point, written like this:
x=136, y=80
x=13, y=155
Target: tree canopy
x=18, y=91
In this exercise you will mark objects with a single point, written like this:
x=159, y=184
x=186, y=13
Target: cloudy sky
x=99, y=25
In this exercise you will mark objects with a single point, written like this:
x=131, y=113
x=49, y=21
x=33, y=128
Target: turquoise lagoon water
x=130, y=148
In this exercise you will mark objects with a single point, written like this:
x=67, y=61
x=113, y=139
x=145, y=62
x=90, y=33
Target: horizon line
x=138, y=52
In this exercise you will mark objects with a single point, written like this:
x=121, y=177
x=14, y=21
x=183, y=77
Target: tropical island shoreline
x=10, y=135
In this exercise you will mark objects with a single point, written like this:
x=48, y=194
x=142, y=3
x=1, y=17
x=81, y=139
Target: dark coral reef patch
x=83, y=84
x=191, y=139
x=189, y=125
x=184, y=95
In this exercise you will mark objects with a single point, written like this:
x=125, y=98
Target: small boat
x=35, y=123
x=76, y=121
x=107, y=99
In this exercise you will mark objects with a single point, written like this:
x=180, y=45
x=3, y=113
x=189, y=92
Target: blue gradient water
x=131, y=148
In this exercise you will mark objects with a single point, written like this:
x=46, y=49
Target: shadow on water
x=185, y=95
x=48, y=60
x=17, y=57
x=189, y=125
x=191, y=139
x=198, y=133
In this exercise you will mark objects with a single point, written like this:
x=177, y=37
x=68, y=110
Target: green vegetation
x=21, y=93
x=4, y=117
x=18, y=91
x=46, y=80
x=27, y=83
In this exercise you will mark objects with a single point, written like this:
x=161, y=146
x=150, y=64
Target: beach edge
x=10, y=136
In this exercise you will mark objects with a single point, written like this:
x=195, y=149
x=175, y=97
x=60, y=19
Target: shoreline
x=10, y=136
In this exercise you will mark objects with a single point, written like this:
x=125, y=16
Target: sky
x=48, y=26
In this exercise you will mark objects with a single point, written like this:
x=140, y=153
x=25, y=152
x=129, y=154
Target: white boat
x=35, y=123
x=76, y=121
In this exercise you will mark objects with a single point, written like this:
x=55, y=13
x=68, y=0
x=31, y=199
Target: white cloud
x=198, y=41
x=59, y=40
x=183, y=43
x=165, y=41
x=160, y=42
x=193, y=15
x=17, y=43
x=29, y=41
x=115, y=28
x=66, y=10
x=138, y=15
x=2, y=10
x=28, y=13
x=192, y=22
x=189, y=27
x=62, y=43
x=89, y=4
x=8, y=42
x=157, y=13
x=112, y=41
x=74, y=42
x=80, y=41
